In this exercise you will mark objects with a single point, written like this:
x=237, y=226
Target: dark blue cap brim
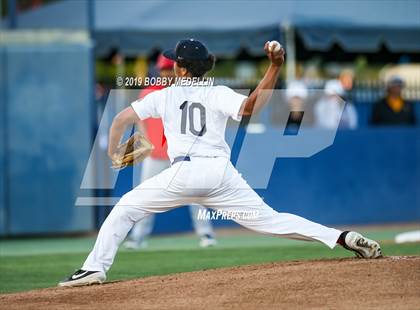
x=170, y=54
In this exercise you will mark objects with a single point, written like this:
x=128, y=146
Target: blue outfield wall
x=368, y=176
x=48, y=137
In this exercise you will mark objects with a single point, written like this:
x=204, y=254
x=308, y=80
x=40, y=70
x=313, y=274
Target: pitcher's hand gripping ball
x=275, y=52
x=131, y=152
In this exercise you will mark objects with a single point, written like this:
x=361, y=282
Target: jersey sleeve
x=229, y=102
x=150, y=106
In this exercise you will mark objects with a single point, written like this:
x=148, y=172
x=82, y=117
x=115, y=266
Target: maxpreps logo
x=293, y=135
x=204, y=214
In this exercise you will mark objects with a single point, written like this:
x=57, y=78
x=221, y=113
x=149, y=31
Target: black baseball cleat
x=362, y=246
x=84, y=277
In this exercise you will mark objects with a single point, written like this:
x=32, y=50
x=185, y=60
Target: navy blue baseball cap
x=395, y=80
x=188, y=49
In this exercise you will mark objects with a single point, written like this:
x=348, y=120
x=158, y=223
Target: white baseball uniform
x=194, y=120
x=143, y=229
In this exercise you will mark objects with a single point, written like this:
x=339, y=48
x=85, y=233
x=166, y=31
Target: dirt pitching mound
x=389, y=283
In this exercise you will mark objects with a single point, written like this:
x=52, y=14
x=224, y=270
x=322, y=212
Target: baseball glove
x=131, y=152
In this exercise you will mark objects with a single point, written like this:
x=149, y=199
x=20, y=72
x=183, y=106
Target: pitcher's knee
x=129, y=212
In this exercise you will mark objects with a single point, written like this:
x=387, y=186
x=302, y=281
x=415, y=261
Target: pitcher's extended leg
x=156, y=195
x=265, y=220
x=112, y=233
x=152, y=196
x=137, y=238
x=237, y=197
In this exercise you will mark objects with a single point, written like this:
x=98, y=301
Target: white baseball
x=274, y=46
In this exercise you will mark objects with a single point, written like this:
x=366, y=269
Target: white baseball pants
x=143, y=228
x=211, y=182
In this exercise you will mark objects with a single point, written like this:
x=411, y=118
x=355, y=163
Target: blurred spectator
x=346, y=79
x=296, y=95
x=332, y=112
x=393, y=109
x=290, y=110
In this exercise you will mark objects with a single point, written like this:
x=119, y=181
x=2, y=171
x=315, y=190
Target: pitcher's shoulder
x=220, y=89
x=228, y=91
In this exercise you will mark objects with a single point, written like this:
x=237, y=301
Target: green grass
x=30, y=264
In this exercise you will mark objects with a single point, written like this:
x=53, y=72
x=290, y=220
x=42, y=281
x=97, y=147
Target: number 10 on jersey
x=188, y=112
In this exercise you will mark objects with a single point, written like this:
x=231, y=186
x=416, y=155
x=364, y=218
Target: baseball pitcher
x=194, y=119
